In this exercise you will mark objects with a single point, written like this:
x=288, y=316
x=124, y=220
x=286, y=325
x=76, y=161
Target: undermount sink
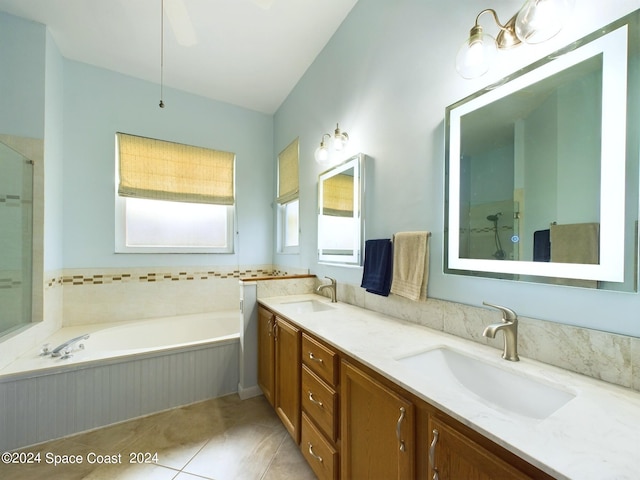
x=307, y=306
x=496, y=386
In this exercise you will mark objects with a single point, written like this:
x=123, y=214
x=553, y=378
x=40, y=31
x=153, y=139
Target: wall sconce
x=337, y=141
x=536, y=22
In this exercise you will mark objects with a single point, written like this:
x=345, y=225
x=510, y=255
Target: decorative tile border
x=77, y=279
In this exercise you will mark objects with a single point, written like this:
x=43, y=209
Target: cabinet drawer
x=320, y=402
x=320, y=455
x=320, y=359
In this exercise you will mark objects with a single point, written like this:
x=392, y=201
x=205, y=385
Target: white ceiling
x=249, y=53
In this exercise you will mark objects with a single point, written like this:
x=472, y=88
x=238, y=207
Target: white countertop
x=596, y=435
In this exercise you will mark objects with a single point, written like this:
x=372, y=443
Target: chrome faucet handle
x=45, y=350
x=508, y=315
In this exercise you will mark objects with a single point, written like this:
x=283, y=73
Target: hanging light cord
x=161, y=52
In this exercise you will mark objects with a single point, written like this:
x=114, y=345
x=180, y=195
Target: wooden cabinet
x=266, y=353
x=320, y=408
x=377, y=428
x=279, y=368
x=456, y=451
x=287, y=376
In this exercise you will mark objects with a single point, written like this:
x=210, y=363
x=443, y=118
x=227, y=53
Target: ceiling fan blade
x=180, y=22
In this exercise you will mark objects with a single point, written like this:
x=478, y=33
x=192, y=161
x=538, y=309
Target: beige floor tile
x=243, y=452
x=288, y=463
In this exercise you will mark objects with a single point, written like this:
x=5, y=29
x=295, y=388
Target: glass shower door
x=16, y=234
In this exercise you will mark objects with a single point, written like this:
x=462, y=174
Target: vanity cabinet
x=377, y=428
x=279, y=368
x=352, y=422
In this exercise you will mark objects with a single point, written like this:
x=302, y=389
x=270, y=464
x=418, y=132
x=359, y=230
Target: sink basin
x=495, y=386
x=307, y=306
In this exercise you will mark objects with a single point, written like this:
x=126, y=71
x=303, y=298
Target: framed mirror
x=542, y=169
x=341, y=212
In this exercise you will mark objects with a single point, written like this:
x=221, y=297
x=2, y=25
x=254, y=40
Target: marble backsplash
x=605, y=356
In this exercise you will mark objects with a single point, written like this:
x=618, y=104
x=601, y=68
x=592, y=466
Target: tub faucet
x=65, y=348
x=509, y=327
x=331, y=287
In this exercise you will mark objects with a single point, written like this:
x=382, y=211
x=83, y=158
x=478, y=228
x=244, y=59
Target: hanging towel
x=410, y=265
x=378, y=258
x=541, y=246
x=576, y=243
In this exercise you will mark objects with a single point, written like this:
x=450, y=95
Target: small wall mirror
x=542, y=171
x=341, y=212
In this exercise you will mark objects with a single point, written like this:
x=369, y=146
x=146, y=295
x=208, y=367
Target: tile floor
x=220, y=439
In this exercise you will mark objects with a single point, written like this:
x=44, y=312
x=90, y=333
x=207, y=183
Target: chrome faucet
x=509, y=327
x=65, y=348
x=331, y=287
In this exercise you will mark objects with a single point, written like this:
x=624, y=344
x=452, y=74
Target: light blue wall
x=97, y=104
x=54, y=156
x=387, y=76
x=22, y=59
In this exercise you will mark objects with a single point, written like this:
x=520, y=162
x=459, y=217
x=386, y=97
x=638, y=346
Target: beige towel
x=576, y=243
x=410, y=265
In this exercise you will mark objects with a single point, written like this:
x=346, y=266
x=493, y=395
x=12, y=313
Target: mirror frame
x=613, y=47
x=357, y=162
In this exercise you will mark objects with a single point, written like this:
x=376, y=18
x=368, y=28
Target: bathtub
x=125, y=370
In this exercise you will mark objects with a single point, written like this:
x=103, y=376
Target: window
x=173, y=198
x=288, y=203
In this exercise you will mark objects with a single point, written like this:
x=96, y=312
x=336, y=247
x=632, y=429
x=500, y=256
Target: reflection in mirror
x=536, y=169
x=340, y=212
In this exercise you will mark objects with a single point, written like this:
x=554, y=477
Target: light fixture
x=536, y=22
x=337, y=142
x=540, y=20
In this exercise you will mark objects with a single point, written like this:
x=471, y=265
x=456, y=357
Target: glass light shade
x=476, y=55
x=540, y=20
x=340, y=141
x=322, y=154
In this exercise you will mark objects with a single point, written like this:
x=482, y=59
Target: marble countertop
x=596, y=435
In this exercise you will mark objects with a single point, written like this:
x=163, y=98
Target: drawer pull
x=403, y=411
x=432, y=454
x=317, y=402
x=313, y=358
x=317, y=457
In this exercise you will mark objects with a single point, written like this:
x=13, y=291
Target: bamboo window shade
x=161, y=170
x=337, y=196
x=288, y=185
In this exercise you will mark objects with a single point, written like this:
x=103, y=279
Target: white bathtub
x=125, y=370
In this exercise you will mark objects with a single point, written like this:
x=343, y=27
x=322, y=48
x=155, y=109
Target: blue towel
x=542, y=246
x=378, y=261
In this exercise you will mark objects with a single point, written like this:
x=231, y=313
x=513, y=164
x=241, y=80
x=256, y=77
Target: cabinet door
x=377, y=429
x=287, y=382
x=453, y=456
x=266, y=353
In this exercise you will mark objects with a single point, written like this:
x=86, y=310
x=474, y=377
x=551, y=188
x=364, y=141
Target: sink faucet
x=331, y=287
x=66, y=346
x=509, y=327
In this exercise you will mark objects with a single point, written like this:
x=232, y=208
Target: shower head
x=494, y=217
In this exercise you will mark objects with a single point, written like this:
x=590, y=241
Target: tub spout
x=65, y=347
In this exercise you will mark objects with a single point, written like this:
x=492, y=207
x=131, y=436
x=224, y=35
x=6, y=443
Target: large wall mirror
x=341, y=212
x=542, y=170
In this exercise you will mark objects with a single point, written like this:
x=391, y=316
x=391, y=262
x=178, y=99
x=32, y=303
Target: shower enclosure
x=16, y=233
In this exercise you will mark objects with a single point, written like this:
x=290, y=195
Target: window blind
x=161, y=170
x=337, y=196
x=288, y=173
